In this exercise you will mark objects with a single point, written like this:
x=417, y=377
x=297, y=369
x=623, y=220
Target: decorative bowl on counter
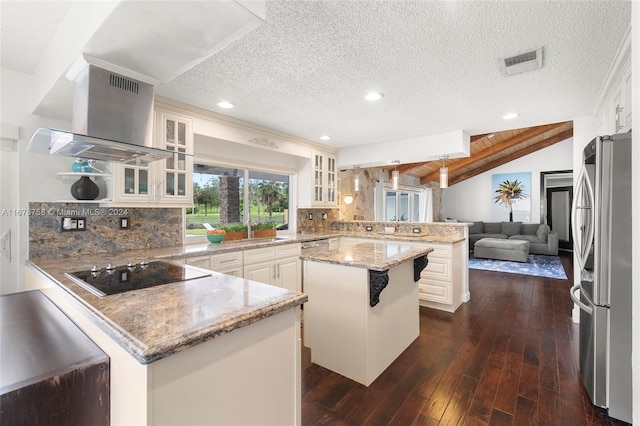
x=215, y=238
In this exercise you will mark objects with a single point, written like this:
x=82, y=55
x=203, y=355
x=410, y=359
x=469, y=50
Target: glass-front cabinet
x=163, y=182
x=325, y=176
x=176, y=136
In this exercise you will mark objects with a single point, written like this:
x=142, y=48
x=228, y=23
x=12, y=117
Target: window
x=401, y=205
x=225, y=195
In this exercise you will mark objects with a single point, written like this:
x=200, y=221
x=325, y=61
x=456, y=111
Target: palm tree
x=270, y=193
x=507, y=192
x=197, y=195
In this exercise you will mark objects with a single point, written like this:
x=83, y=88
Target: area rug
x=536, y=265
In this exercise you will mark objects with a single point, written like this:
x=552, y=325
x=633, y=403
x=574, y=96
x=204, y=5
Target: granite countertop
x=201, y=249
x=372, y=256
x=150, y=323
x=156, y=322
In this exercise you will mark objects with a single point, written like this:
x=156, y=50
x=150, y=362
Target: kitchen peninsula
x=363, y=307
x=193, y=352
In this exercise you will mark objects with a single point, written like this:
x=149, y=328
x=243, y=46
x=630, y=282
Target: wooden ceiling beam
x=503, y=160
x=457, y=164
x=404, y=168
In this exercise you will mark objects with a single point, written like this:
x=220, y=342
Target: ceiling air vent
x=522, y=62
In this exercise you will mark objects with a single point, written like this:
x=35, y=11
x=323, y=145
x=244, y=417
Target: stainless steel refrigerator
x=601, y=225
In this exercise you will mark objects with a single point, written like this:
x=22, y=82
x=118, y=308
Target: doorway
x=556, y=199
x=559, y=201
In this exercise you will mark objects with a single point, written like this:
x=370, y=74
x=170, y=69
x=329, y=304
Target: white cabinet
x=351, y=241
x=626, y=101
x=323, y=175
x=263, y=272
x=620, y=107
x=614, y=104
x=289, y=267
x=279, y=266
x=230, y=263
x=165, y=182
x=442, y=283
x=203, y=262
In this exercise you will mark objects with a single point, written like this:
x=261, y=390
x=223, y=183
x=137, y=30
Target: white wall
x=472, y=199
x=25, y=176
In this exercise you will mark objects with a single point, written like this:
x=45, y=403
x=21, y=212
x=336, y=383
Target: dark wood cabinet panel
x=51, y=373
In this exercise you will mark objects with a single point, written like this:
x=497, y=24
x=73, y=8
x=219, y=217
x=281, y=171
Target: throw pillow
x=529, y=228
x=476, y=228
x=543, y=232
x=511, y=228
x=492, y=228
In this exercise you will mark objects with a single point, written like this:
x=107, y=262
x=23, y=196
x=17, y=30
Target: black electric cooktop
x=121, y=279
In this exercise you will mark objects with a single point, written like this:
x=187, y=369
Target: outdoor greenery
x=234, y=227
x=263, y=225
x=269, y=202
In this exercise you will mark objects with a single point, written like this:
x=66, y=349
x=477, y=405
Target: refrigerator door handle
x=583, y=245
x=577, y=301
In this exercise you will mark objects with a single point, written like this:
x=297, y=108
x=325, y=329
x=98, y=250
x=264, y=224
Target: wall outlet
x=324, y=216
x=310, y=216
x=368, y=228
x=124, y=223
x=416, y=230
x=73, y=224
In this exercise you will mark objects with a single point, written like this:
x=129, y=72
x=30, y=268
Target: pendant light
x=395, y=175
x=444, y=174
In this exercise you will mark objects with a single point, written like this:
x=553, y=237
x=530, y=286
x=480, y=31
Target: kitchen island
x=212, y=350
x=363, y=307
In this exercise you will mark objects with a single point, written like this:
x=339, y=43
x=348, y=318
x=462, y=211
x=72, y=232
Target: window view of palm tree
x=219, y=199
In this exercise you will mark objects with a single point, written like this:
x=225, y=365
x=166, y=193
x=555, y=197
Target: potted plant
x=235, y=231
x=264, y=230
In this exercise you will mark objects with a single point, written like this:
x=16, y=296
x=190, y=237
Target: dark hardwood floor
x=507, y=357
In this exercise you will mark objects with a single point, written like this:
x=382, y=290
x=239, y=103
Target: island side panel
x=334, y=317
x=249, y=376
x=394, y=323
x=348, y=336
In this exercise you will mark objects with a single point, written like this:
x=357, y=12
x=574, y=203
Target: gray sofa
x=541, y=239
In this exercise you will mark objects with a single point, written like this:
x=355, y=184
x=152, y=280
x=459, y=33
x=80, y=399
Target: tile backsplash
x=148, y=228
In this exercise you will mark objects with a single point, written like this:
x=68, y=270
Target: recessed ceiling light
x=510, y=116
x=325, y=137
x=374, y=96
x=225, y=104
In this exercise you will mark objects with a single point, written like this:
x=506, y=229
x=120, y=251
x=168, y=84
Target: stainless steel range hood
x=112, y=121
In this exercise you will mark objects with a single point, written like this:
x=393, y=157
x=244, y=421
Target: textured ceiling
x=26, y=29
x=306, y=69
